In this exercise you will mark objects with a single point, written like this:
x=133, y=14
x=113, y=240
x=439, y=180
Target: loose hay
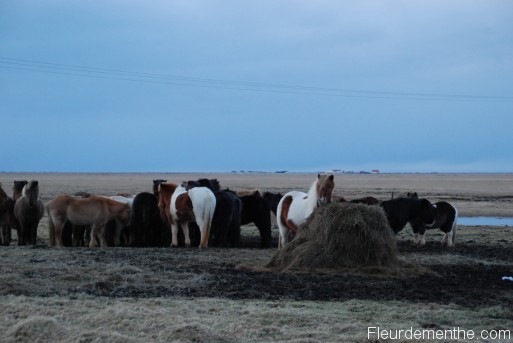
x=340, y=236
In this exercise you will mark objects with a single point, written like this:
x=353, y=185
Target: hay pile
x=340, y=236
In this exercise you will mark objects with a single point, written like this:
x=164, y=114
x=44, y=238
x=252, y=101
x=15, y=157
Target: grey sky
x=423, y=85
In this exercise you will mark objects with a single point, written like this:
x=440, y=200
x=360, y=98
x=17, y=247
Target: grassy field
x=186, y=295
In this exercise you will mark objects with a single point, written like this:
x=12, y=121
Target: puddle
x=485, y=221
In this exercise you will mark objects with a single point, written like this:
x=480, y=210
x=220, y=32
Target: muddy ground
x=466, y=275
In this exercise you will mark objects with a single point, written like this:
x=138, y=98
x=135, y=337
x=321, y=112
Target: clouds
x=422, y=47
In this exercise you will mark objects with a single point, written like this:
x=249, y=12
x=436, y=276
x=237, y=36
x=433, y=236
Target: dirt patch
x=165, y=272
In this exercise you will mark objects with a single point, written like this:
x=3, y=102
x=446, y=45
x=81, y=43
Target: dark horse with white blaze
x=28, y=211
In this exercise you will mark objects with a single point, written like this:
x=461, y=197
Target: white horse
x=295, y=206
x=197, y=204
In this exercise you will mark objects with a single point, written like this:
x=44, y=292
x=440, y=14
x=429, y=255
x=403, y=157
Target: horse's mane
x=312, y=194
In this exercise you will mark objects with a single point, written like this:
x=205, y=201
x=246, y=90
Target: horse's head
x=325, y=186
x=156, y=184
x=17, y=189
x=427, y=211
x=216, y=186
x=413, y=195
x=31, y=192
x=190, y=184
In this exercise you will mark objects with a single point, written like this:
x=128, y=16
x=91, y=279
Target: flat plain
x=192, y=295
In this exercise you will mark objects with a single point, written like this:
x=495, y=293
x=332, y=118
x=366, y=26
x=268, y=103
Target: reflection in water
x=485, y=221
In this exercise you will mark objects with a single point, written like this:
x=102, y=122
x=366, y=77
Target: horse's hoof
x=173, y=246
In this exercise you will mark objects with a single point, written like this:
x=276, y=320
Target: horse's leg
x=57, y=233
x=102, y=233
x=422, y=234
x=33, y=233
x=185, y=229
x=94, y=234
x=174, y=235
x=21, y=232
x=117, y=234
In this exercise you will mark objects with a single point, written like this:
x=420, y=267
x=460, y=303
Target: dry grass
x=93, y=319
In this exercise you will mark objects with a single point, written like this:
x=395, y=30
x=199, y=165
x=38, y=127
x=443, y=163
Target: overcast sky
x=204, y=86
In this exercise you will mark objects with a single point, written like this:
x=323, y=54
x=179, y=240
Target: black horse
x=257, y=210
x=273, y=199
x=226, y=220
x=400, y=211
x=146, y=227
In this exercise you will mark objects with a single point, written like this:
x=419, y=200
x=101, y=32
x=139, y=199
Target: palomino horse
x=295, y=207
x=28, y=211
x=95, y=210
x=197, y=204
x=5, y=218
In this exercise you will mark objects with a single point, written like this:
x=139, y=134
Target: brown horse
x=5, y=218
x=295, y=207
x=95, y=211
x=164, y=191
x=28, y=211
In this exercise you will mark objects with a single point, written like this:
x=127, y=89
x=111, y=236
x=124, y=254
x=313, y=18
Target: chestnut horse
x=95, y=210
x=28, y=211
x=295, y=206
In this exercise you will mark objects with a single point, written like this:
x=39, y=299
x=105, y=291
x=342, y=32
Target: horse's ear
x=331, y=177
x=318, y=176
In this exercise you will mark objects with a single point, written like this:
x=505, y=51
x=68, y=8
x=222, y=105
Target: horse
x=146, y=228
x=95, y=211
x=272, y=199
x=257, y=210
x=243, y=192
x=446, y=219
x=366, y=201
x=5, y=217
x=28, y=211
x=197, y=204
x=295, y=206
x=156, y=184
x=164, y=192
x=17, y=189
x=227, y=214
x=400, y=211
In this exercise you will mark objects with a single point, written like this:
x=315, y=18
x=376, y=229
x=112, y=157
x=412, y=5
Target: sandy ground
x=186, y=295
x=472, y=194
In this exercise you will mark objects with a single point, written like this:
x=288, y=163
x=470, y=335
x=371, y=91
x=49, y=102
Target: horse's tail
x=203, y=206
x=51, y=227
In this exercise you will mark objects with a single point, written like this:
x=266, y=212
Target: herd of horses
x=196, y=213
